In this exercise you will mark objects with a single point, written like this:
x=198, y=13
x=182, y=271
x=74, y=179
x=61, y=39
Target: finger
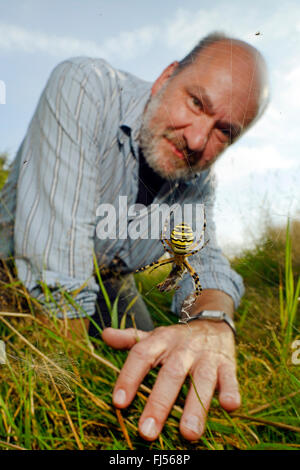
x=140, y=360
x=164, y=393
x=192, y=423
x=123, y=339
x=229, y=395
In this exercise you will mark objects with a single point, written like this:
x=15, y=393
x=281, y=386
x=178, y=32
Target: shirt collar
x=134, y=97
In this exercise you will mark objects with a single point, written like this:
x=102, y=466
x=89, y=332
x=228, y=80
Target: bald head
x=245, y=63
x=201, y=105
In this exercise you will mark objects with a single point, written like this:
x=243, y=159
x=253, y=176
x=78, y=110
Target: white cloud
x=180, y=32
x=127, y=44
x=282, y=22
x=291, y=90
x=185, y=29
x=245, y=161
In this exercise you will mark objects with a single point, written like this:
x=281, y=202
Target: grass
x=55, y=392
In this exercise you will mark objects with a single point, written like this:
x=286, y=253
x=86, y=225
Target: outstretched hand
x=203, y=348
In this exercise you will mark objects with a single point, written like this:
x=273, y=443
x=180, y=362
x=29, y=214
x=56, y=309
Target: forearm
x=213, y=299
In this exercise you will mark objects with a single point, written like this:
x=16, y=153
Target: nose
x=197, y=133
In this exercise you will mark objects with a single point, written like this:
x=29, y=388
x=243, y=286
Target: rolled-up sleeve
x=211, y=265
x=57, y=191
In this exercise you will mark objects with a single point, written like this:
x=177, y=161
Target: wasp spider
x=181, y=245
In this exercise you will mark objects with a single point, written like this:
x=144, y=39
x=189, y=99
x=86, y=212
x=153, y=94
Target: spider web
x=244, y=231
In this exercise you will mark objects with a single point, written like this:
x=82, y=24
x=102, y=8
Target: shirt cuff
x=50, y=293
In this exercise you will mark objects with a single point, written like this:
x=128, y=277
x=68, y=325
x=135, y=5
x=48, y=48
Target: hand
x=203, y=348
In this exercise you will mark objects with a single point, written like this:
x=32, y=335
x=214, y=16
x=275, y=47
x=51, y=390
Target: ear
x=164, y=76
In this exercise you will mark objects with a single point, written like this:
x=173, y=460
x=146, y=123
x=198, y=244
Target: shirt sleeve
x=210, y=264
x=57, y=190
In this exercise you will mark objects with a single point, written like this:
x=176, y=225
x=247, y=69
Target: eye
x=196, y=102
x=227, y=133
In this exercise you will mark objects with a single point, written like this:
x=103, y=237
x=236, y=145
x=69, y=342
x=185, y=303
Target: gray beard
x=148, y=143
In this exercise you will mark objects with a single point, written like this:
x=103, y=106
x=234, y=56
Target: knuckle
x=228, y=367
x=161, y=405
x=141, y=353
x=177, y=365
x=173, y=371
x=159, y=329
x=205, y=373
x=162, y=332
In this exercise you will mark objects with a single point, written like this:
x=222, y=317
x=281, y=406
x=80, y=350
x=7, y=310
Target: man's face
x=192, y=117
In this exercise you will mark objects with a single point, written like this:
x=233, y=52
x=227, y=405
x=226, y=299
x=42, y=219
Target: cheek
x=215, y=146
x=174, y=114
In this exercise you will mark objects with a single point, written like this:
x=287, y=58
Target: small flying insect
x=181, y=245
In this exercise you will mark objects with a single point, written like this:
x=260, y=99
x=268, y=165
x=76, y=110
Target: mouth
x=188, y=157
x=175, y=150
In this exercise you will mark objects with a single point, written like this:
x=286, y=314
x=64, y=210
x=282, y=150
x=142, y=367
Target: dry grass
x=56, y=393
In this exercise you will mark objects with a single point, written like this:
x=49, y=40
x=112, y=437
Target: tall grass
x=55, y=392
x=288, y=296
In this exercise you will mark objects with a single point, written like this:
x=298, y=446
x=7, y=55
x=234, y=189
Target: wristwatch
x=213, y=315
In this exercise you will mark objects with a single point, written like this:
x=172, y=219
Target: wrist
x=216, y=316
x=210, y=299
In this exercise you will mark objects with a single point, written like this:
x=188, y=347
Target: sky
x=258, y=176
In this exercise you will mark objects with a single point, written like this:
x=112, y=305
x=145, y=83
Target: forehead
x=224, y=73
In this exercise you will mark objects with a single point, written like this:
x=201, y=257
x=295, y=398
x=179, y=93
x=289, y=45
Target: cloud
x=245, y=161
x=279, y=122
x=179, y=32
x=127, y=44
x=291, y=90
x=187, y=27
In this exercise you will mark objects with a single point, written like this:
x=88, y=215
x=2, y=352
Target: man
x=93, y=129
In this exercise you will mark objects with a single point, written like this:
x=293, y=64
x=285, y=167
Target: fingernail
x=120, y=396
x=193, y=423
x=231, y=397
x=149, y=428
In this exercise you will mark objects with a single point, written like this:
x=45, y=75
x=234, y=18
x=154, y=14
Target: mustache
x=190, y=155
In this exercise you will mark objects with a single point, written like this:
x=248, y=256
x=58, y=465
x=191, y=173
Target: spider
x=181, y=245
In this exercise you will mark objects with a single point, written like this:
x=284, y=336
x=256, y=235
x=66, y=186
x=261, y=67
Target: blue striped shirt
x=81, y=150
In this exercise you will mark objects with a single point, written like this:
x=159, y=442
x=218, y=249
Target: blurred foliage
x=263, y=265
x=4, y=171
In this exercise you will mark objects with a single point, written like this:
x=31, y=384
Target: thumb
x=123, y=339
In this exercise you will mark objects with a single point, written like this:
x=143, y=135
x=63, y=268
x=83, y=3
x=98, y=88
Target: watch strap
x=213, y=315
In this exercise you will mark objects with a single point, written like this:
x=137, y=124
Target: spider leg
x=204, y=225
x=197, y=242
x=169, y=244
x=198, y=287
x=166, y=243
x=146, y=267
x=162, y=263
x=196, y=251
x=156, y=264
